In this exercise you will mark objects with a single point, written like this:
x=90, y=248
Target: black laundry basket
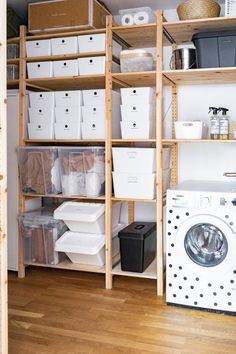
x=137, y=246
x=215, y=49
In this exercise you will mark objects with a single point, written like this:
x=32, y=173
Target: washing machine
x=201, y=246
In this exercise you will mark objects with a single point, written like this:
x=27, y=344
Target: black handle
x=139, y=227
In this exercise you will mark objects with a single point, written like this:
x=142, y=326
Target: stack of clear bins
x=40, y=230
x=82, y=171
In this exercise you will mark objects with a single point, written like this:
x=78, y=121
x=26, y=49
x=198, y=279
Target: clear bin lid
x=135, y=53
x=42, y=216
x=83, y=212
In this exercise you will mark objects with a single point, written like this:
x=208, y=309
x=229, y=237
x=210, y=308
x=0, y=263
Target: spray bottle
x=224, y=124
x=214, y=123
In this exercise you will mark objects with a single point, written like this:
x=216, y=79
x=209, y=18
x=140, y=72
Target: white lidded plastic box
x=39, y=114
x=65, y=114
x=134, y=160
x=190, y=130
x=64, y=45
x=138, y=129
x=41, y=99
x=43, y=130
x=136, y=60
x=135, y=95
x=138, y=111
x=86, y=217
x=41, y=48
x=68, y=98
x=68, y=130
x=63, y=68
x=134, y=185
x=94, y=97
x=88, y=249
x=40, y=69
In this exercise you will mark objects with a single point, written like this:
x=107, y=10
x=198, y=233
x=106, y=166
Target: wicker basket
x=197, y=9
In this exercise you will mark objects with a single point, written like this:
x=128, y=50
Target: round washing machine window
x=206, y=245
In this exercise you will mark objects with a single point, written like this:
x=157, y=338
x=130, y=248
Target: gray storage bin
x=215, y=49
x=12, y=72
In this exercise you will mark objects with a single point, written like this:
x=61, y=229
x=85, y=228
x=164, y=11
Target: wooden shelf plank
x=74, y=141
x=13, y=40
x=140, y=36
x=61, y=196
x=200, y=76
x=133, y=141
x=149, y=273
x=59, y=34
x=12, y=84
x=71, y=266
x=15, y=61
x=133, y=200
x=182, y=31
x=65, y=56
x=135, y=79
x=200, y=141
x=64, y=83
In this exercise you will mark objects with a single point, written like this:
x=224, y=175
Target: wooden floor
x=65, y=312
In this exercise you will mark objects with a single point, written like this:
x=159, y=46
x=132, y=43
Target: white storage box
x=69, y=130
x=139, y=111
x=83, y=248
x=41, y=99
x=93, y=130
x=39, y=70
x=94, y=113
x=135, y=95
x=44, y=130
x=40, y=48
x=65, y=68
x=138, y=129
x=86, y=217
x=134, y=160
x=92, y=65
x=65, y=45
x=96, y=43
x=68, y=98
x=94, y=97
x=190, y=130
x=65, y=114
x=134, y=185
x=136, y=60
x=44, y=115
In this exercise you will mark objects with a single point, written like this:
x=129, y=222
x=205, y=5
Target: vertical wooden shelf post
x=159, y=182
x=22, y=125
x=108, y=146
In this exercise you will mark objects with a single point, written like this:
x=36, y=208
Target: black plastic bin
x=215, y=49
x=137, y=246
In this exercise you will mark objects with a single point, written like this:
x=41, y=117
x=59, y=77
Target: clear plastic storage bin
x=39, y=170
x=136, y=60
x=40, y=231
x=82, y=171
x=12, y=72
x=12, y=51
x=135, y=16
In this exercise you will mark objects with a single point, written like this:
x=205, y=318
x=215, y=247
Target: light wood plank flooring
x=66, y=312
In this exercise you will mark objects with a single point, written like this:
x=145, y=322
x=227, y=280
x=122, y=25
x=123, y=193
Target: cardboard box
x=66, y=14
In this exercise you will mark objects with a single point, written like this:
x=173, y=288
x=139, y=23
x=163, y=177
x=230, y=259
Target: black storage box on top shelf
x=215, y=49
x=137, y=246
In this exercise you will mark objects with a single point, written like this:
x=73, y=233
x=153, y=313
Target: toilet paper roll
x=127, y=20
x=141, y=18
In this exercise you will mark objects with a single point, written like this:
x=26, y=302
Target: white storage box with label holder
x=94, y=97
x=97, y=43
x=88, y=249
x=68, y=98
x=40, y=70
x=134, y=160
x=64, y=45
x=41, y=99
x=43, y=130
x=138, y=111
x=135, y=95
x=190, y=130
x=65, y=68
x=136, y=60
x=137, y=129
x=68, y=130
x=38, y=115
x=94, y=113
x=95, y=66
x=41, y=48
x=86, y=217
x=65, y=114
x=134, y=185
x=93, y=130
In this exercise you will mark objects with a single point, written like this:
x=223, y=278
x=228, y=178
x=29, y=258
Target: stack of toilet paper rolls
x=137, y=16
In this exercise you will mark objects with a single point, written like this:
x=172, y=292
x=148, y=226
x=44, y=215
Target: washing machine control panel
x=205, y=201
